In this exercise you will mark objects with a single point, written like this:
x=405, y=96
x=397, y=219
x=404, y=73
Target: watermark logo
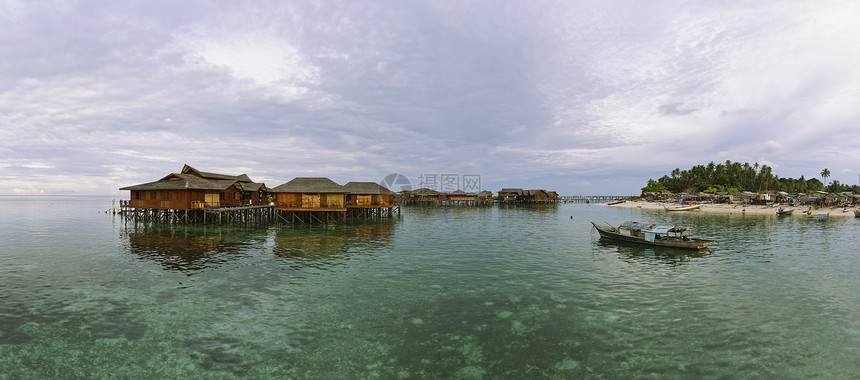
x=470, y=183
x=396, y=182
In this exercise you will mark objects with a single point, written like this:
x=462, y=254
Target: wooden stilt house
x=535, y=196
x=192, y=189
x=250, y=192
x=422, y=196
x=309, y=200
x=485, y=196
x=369, y=199
x=368, y=195
x=510, y=195
x=462, y=196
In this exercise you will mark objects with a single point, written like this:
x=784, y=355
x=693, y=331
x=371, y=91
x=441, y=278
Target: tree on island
x=735, y=177
x=825, y=174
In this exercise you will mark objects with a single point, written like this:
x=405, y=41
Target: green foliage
x=653, y=187
x=735, y=177
x=813, y=184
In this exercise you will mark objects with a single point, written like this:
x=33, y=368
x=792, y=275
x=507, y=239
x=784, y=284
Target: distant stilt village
x=193, y=196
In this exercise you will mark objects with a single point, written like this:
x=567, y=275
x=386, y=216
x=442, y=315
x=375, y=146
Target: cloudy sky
x=582, y=97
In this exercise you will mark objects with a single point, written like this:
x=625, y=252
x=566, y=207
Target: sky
x=580, y=97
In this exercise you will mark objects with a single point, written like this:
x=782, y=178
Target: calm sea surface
x=487, y=292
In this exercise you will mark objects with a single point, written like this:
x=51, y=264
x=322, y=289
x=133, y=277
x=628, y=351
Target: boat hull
x=610, y=233
x=685, y=208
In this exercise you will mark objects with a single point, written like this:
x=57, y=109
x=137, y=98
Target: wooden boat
x=784, y=211
x=652, y=234
x=682, y=208
x=818, y=216
x=616, y=202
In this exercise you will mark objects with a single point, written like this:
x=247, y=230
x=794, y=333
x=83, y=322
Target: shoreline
x=732, y=208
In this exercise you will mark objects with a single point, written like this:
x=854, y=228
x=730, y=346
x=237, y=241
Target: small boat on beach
x=683, y=208
x=652, y=234
x=818, y=216
x=784, y=211
x=620, y=201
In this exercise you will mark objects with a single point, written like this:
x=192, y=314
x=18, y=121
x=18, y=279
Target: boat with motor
x=652, y=234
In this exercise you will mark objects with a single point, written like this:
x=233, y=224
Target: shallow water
x=486, y=292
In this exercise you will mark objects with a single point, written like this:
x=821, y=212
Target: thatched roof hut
x=367, y=188
x=511, y=194
x=369, y=195
x=179, y=181
x=310, y=193
x=187, y=169
x=192, y=189
x=310, y=185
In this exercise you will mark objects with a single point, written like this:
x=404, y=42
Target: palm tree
x=825, y=174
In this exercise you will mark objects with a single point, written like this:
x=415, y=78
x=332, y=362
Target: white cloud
x=566, y=94
x=264, y=59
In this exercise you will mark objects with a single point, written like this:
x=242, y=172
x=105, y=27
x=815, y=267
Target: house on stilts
x=310, y=200
x=195, y=196
x=370, y=199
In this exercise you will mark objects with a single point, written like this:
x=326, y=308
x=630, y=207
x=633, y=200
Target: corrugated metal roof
x=635, y=226
x=659, y=229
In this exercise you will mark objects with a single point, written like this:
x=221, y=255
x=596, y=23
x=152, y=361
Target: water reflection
x=190, y=249
x=639, y=253
x=186, y=249
x=323, y=246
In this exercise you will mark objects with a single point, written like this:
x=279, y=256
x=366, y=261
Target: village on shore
x=196, y=196
x=765, y=202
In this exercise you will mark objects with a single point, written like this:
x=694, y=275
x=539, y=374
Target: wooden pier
x=216, y=215
x=241, y=214
x=448, y=202
x=372, y=212
x=309, y=216
x=592, y=198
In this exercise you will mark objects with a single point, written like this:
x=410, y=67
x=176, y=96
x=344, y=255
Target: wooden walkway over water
x=592, y=198
x=255, y=214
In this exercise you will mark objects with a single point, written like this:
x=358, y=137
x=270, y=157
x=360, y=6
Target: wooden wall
x=184, y=199
x=310, y=201
x=162, y=199
x=370, y=200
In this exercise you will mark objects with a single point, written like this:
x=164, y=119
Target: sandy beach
x=748, y=209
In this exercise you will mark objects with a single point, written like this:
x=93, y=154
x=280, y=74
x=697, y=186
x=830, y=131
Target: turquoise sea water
x=486, y=292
